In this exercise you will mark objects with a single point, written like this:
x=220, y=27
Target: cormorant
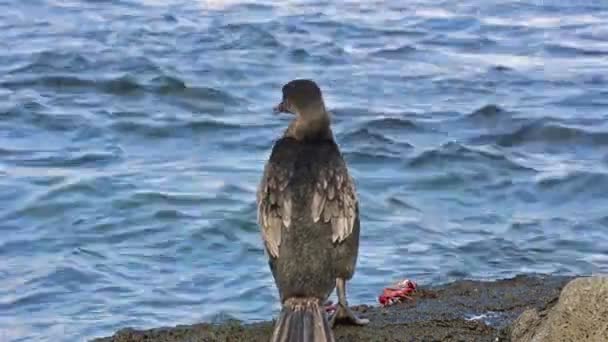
x=308, y=213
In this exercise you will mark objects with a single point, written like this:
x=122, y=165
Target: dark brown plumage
x=309, y=217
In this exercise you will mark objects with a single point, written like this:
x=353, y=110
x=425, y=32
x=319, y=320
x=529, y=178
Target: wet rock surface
x=460, y=311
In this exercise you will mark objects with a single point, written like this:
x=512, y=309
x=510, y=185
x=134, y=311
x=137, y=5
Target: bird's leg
x=343, y=312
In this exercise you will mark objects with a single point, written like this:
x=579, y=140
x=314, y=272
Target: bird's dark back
x=304, y=267
x=304, y=160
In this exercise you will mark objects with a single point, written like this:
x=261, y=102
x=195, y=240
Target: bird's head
x=303, y=99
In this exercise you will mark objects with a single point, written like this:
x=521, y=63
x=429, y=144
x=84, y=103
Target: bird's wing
x=274, y=204
x=335, y=199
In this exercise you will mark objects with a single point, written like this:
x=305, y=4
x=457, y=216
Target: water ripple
x=392, y=123
x=452, y=153
x=544, y=131
x=133, y=135
x=488, y=112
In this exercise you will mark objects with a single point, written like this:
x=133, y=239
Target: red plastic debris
x=330, y=307
x=397, y=293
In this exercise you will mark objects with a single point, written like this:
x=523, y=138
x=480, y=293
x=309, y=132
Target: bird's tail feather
x=302, y=320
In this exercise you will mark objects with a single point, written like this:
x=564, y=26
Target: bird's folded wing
x=274, y=205
x=335, y=200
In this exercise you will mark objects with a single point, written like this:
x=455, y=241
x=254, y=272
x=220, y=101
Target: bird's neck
x=312, y=123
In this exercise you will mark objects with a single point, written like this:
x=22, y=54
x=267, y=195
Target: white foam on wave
x=204, y=4
x=434, y=12
x=218, y=4
x=214, y=5
x=487, y=318
x=543, y=22
x=599, y=263
x=512, y=61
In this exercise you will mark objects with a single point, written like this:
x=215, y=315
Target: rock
x=525, y=325
x=581, y=314
x=465, y=310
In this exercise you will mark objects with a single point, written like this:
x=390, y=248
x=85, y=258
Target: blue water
x=133, y=134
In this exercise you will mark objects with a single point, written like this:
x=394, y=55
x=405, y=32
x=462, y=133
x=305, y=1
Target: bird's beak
x=281, y=108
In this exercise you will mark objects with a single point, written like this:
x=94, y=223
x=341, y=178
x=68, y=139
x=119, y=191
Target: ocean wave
x=183, y=91
x=370, y=144
x=365, y=113
x=30, y=298
x=325, y=55
x=34, y=209
x=124, y=86
x=136, y=235
x=167, y=130
x=357, y=29
x=389, y=123
x=589, y=99
x=572, y=51
x=85, y=187
x=451, y=24
x=545, y=131
x=8, y=152
x=488, y=112
x=132, y=65
x=242, y=36
x=493, y=248
x=440, y=181
x=118, y=86
x=397, y=52
x=365, y=135
x=175, y=87
x=71, y=159
x=369, y=157
x=399, y=203
x=17, y=111
x=48, y=81
x=67, y=123
x=52, y=61
x=299, y=54
x=575, y=183
x=470, y=43
x=501, y=68
x=35, y=120
x=453, y=152
x=149, y=197
x=171, y=214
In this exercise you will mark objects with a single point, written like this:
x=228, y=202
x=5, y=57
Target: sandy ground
x=460, y=311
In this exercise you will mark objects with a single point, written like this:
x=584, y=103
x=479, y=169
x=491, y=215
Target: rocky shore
x=460, y=311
